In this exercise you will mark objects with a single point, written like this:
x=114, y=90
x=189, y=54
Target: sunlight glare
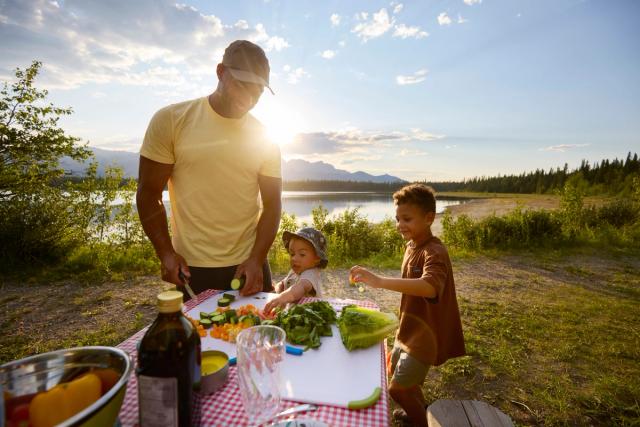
x=282, y=124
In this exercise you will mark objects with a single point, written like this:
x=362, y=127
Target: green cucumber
x=206, y=323
x=204, y=315
x=231, y=297
x=223, y=302
x=218, y=319
x=237, y=284
x=229, y=314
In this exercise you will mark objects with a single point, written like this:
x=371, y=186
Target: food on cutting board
x=306, y=323
x=225, y=323
x=362, y=327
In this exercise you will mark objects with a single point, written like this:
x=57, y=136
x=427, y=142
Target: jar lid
x=169, y=301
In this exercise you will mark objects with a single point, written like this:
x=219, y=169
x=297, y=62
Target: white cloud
x=328, y=54
x=404, y=32
x=120, y=41
x=406, y=153
x=379, y=24
x=420, y=135
x=472, y=2
x=443, y=19
x=335, y=19
x=563, y=147
x=342, y=43
x=462, y=20
x=397, y=8
x=294, y=75
x=276, y=43
x=353, y=141
x=242, y=24
x=416, y=77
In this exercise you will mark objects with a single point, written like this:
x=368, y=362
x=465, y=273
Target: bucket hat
x=313, y=236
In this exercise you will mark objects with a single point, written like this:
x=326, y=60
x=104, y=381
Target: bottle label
x=158, y=401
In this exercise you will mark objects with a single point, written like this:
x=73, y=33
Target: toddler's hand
x=277, y=302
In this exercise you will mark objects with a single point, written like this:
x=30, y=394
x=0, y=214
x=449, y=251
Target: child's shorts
x=407, y=370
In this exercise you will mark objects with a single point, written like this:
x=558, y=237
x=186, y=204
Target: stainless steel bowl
x=44, y=371
x=212, y=381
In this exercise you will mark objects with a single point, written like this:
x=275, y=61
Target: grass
x=556, y=348
x=552, y=334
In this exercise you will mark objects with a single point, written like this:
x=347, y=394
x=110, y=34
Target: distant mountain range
x=292, y=170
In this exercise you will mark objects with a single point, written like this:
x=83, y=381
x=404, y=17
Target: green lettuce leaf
x=363, y=327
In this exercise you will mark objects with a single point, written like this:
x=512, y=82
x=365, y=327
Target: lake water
x=375, y=206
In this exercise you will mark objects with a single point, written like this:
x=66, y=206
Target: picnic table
x=224, y=408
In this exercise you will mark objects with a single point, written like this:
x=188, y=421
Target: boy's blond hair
x=420, y=195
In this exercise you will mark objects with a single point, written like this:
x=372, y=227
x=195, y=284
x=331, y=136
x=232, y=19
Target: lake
x=375, y=206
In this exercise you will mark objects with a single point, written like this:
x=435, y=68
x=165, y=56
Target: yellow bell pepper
x=64, y=401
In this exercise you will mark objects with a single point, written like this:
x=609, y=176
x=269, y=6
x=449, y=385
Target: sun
x=281, y=123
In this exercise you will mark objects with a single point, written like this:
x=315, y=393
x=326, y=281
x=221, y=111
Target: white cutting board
x=329, y=375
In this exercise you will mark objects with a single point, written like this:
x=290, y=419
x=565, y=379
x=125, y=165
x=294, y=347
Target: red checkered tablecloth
x=224, y=408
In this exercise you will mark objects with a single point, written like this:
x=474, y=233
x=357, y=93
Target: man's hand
x=170, y=267
x=252, y=270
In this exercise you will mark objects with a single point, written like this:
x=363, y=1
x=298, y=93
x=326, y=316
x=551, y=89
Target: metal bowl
x=212, y=381
x=42, y=372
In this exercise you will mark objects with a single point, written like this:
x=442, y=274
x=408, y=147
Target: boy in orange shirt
x=430, y=330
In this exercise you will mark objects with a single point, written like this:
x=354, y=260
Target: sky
x=422, y=90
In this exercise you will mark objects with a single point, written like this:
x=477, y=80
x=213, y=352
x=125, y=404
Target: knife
x=186, y=285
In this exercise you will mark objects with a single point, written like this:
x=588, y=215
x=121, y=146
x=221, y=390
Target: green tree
x=35, y=224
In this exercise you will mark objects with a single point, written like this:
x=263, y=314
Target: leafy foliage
x=613, y=177
x=34, y=221
x=615, y=222
x=306, y=323
x=350, y=237
x=45, y=219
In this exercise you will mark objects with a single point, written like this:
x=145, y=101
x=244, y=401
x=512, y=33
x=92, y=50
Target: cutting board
x=329, y=375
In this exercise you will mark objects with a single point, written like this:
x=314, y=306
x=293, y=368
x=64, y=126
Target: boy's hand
x=361, y=274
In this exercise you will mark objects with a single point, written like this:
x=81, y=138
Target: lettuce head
x=363, y=327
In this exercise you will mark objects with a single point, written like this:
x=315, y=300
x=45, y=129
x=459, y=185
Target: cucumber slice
x=206, y=323
x=204, y=315
x=237, y=284
x=229, y=314
x=223, y=302
x=229, y=297
x=218, y=319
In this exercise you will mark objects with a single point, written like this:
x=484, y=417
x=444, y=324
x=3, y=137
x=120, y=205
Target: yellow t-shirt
x=213, y=188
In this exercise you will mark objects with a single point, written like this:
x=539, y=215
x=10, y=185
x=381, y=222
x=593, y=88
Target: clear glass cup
x=260, y=351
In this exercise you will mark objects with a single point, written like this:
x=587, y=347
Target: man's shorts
x=407, y=370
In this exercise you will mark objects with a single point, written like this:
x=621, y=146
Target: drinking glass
x=260, y=351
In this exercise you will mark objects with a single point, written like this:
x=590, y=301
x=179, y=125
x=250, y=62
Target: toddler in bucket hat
x=307, y=249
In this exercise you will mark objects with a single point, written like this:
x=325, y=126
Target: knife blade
x=185, y=282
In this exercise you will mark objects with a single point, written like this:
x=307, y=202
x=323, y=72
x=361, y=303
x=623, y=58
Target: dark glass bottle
x=168, y=366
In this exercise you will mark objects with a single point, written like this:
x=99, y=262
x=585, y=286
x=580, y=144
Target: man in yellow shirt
x=218, y=165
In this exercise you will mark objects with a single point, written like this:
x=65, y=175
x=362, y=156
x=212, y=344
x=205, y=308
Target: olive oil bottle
x=168, y=366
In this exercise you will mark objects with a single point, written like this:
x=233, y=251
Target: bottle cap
x=169, y=301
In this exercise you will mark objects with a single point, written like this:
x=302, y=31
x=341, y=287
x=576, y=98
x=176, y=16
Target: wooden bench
x=465, y=413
